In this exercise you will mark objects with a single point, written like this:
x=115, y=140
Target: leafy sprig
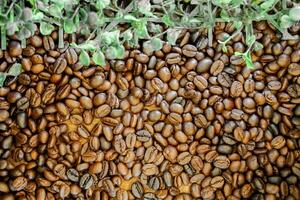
x=108, y=24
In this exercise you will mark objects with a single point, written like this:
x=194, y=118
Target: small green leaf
x=23, y=33
x=83, y=15
x=250, y=40
x=88, y=45
x=258, y=46
x=17, y=11
x=101, y=4
x=111, y=53
x=237, y=24
x=120, y=52
x=99, y=58
x=224, y=48
x=46, y=28
x=286, y=22
x=144, y=7
x=224, y=15
x=127, y=35
x=37, y=16
x=3, y=20
x=238, y=54
x=12, y=28
x=2, y=79
x=140, y=29
x=69, y=26
x=55, y=11
x=249, y=62
x=156, y=43
x=294, y=13
x=27, y=14
x=267, y=5
x=130, y=18
x=15, y=69
x=111, y=37
x=167, y=20
x=84, y=58
x=172, y=36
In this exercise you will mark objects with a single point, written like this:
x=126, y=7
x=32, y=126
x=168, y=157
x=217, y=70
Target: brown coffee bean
x=71, y=56
x=204, y=65
x=143, y=135
x=137, y=190
x=14, y=48
x=221, y=162
x=278, y=142
x=217, y=67
x=19, y=183
x=173, y=58
x=217, y=182
x=200, y=82
x=59, y=66
x=86, y=181
x=236, y=89
x=189, y=50
x=224, y=79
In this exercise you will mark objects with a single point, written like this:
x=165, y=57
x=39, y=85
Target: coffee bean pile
x=186, y=122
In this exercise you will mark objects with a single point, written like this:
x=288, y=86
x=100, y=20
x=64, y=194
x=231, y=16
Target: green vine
x=100, y=22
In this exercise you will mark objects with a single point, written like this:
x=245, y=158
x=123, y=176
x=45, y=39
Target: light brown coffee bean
x=278, y=142
x=200, y=82
x=19, y=183
x=236, y=89
x=222, y=162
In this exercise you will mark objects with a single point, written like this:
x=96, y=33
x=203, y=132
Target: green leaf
x=88, y=45
x=286, y=22
x=27, y=14
x=111, y=37
x=84, y=58
x=130, y=17
x=120, y=52
x=12, y=28
x=111, y=53
x=144, y=7
x=250, y=40
x=156, y=44
x=172, y=35
x=17, y=11
x=3, y=20
x=267, y=5
x=258, y=46
x=37, y=16
x=99, y=58
x=83, y=15
x=23, y=33
x=238, y=54
x=101, y=4
x=2, y=79
x=69, y=26
x=238, y=24
x=55, y=11
x=140, y=29
x=224, y=48
x=127, y=35
x=294, y=13
x=46, y=28
x=15, y=69
x=167, y=20
x=248, y=60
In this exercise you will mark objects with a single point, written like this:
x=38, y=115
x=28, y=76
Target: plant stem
x=210, y=29
x=61, y=37
x=3, y=38
x=23, y=43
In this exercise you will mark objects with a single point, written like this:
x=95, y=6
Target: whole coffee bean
x=221, y=162
x=154, y=183
x=184, y=158
x=224, y=79
x=189, y=50
x=143, y=135
x=217, y=67
x=4, y=115
x=71, y=56
x=224, y=149
x=59, y=66
x=200, y=82
x=14, y=48
x=137, y=190
x=86, y=181
x=19, y=183
x=236, y=89
x=142, y=58
x=217, y=182
x=173, y=58
x=294, y=69
x=207, y=192
x=204, y=65
x=278, y=142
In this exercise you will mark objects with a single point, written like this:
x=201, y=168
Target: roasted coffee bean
x=189, y=50
x=86, y=181
x=204, y=65
x=137, y=189
x=59, y=66
x=71, y=56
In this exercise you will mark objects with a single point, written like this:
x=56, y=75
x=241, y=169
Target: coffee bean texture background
x=186, y=122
